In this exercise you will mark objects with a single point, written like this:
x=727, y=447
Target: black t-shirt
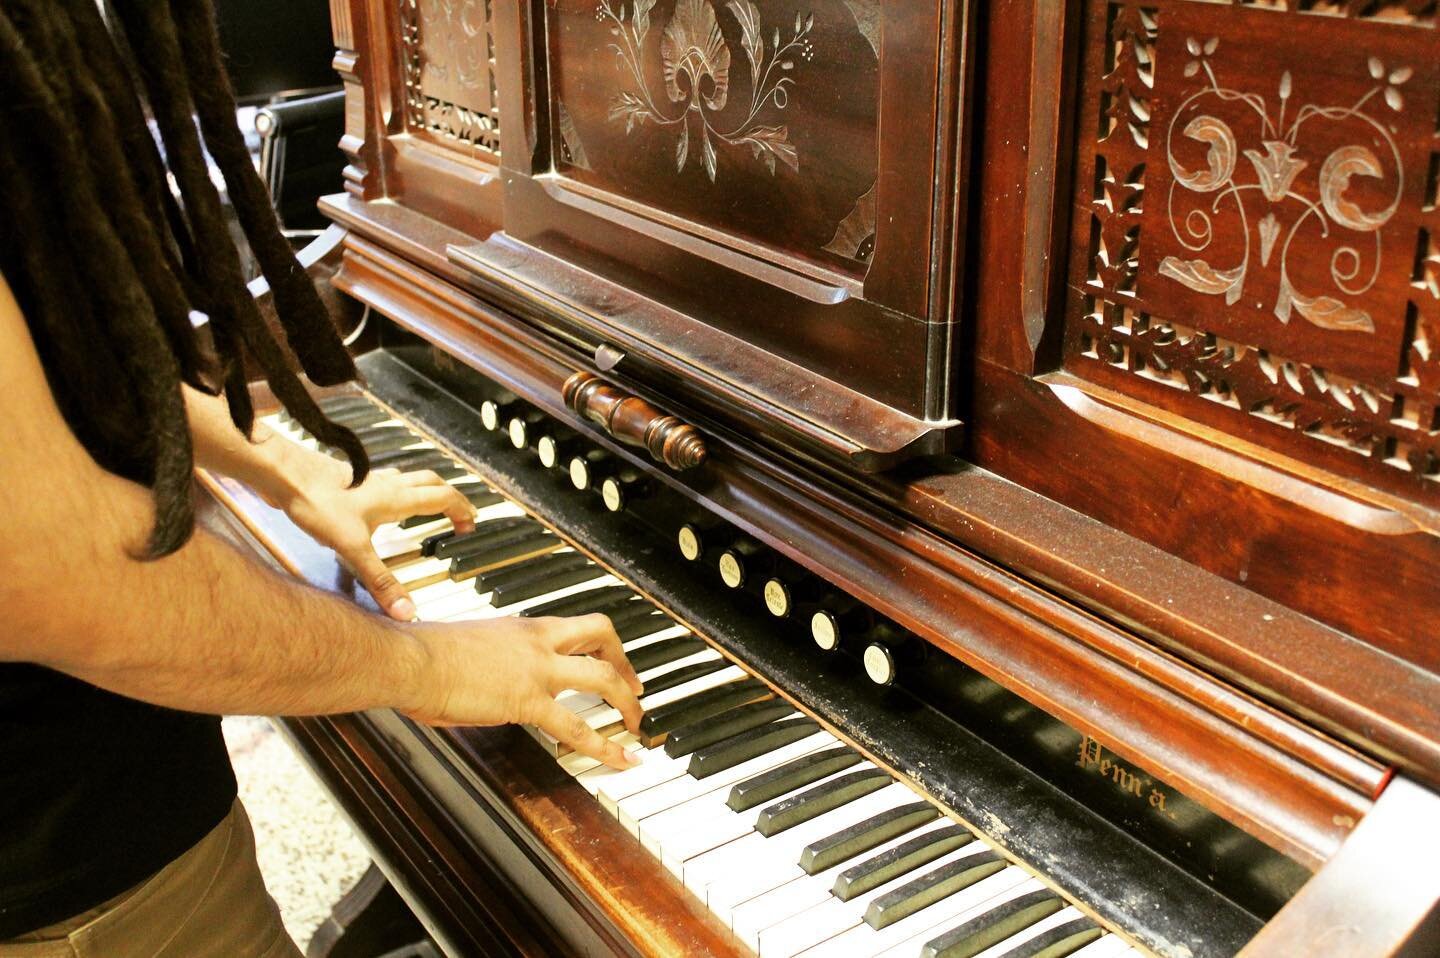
x=97, y=793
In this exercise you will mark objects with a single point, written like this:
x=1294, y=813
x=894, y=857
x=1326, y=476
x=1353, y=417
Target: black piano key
x=518, y=590
x=710, y=731
x=502, y=551
x=638, y=628
x=390, y=441
x=360, y=417
x=663, y=719
x=792, y=775
x=993, y=927
x=659, y=653
x=443, y=466
x=484, y=534
x=430, y=543
x=409, y=460
x=535, y=568
x=907, y=856
x=381, y=431
x=1058, y=942
x=341, y=401
x=478, y=494
x=688, y=673
x=931, y=887
x=828, y=796
x=602, y=599
x=859, y=838
x=730, y=752
x=620, y=615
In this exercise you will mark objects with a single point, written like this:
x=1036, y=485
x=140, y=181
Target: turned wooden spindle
x=633, y=421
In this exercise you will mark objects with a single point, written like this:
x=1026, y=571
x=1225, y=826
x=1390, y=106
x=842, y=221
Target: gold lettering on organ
x=1094, y=758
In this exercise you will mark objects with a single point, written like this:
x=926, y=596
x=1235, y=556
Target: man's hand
x=511, y=670
x=322, y=503
x=314, y=490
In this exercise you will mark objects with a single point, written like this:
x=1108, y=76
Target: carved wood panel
x=447, y=51
x=1257, y=234
x=755, y=119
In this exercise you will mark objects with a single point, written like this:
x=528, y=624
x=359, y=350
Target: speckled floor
x=308, y=853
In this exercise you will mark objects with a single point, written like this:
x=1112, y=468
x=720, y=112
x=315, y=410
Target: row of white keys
x=797, y=894
x=713, y=865
x=690, y=830
x=909, y=935
x=633, y=810
x=820, y=924
x=467, y=605
x=717, y=849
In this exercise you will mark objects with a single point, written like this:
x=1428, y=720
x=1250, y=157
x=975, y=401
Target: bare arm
x=206, y=629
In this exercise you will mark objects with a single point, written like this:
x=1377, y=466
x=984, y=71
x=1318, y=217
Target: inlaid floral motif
x=1275, y=163
x=696, y=62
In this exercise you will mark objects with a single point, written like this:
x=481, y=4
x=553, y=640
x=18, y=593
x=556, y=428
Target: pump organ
x=1036, y=405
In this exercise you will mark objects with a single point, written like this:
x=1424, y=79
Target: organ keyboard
x=1007, y=435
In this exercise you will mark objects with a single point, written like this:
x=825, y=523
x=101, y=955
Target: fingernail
x=403, y=609
x=631, y=759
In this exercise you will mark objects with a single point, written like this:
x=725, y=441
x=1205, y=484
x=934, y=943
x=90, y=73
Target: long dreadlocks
x=107, y=266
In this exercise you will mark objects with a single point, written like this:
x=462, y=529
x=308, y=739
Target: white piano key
x=1110, y=946
x=661, y=797
x=774, y=905
x=389, y=540
x=605, y=715
x=610, y=785
x=575, y=763
x=420, y=571
x=459, y=607
x=579, y=701
x=609, y=715
x=674, y=833
x=778, y=852
x=724, y=894
x=832, y=917
x=908, y=936
x=704, y=823
x=485, y=610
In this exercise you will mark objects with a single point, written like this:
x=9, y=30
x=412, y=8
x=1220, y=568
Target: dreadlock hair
x=107, y=266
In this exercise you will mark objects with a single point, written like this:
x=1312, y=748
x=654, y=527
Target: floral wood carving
x=697, y=66
x=1274, y=174
x=1197, y=194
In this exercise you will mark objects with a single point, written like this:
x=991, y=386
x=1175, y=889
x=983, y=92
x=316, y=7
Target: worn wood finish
x=1380, y=895
x=633, y=421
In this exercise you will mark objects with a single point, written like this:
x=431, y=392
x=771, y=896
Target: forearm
x=266, y=462
x=204, y=629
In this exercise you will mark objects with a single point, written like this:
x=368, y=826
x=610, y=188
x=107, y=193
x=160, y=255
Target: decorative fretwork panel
x=1257, y=239
x=448, y=67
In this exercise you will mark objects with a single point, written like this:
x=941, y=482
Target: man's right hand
x=510, y=670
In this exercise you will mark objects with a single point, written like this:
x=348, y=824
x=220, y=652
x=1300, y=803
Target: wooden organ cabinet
x=1076, y=361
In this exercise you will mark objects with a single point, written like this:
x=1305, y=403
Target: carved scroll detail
x=1275, y=171
x=1348, y=191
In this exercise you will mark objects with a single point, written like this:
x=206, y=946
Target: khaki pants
x=208, y=903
